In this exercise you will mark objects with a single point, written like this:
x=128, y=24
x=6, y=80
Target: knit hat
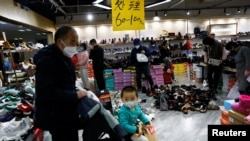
x=136, y=41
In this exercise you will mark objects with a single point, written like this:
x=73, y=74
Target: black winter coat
x=56, y=99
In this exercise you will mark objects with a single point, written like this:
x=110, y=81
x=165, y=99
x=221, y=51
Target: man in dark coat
x=56, y=96
x=97, y=56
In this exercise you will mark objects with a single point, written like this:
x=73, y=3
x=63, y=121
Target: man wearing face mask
x=141, y=67
x=56, y=96
x=242, y=61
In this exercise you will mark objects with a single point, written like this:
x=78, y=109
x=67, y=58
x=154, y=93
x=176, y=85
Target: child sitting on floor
x=130, y=112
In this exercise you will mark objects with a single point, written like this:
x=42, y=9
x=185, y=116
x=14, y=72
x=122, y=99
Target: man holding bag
x=141, y=65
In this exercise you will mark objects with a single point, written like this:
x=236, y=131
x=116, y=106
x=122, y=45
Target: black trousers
x=214, y=76
x=98, y=72
x=143, y=69
x=64, y=135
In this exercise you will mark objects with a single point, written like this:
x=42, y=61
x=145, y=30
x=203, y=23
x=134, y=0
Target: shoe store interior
x=184, y=86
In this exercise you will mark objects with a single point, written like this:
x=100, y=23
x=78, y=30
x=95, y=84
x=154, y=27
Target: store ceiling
x=68, y=8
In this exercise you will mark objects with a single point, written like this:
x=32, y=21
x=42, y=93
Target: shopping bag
x=149, y=133
x=234, y=92
x=141, y=57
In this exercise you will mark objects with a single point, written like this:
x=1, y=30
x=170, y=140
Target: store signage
x=128, y=15
x=223, y=29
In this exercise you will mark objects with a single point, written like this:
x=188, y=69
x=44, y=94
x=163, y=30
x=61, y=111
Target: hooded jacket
x=56, y=99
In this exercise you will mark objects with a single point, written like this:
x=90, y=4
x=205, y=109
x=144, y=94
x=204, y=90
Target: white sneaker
x=15, y=129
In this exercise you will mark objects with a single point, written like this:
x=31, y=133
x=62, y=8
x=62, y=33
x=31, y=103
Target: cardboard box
x=236, y=117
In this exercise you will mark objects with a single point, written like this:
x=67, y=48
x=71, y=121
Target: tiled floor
x=176, y=126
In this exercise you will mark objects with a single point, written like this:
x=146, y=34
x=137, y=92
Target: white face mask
x=130, y=104
x=137, y=46
x=69, y=51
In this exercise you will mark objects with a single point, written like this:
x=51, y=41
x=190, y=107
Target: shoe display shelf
x=13, y=73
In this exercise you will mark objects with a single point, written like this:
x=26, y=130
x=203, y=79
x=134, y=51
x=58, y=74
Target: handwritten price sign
x=128, y=15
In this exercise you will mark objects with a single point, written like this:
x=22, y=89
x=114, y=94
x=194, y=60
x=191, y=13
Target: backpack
x=163, y=102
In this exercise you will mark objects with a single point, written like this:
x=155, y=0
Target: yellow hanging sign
x=128, y=15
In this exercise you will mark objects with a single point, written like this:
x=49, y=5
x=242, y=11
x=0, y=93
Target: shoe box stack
x=224, y=120
x=128, y=77
x=180, y=68
x=157, y=74
x=109, y=79
x=118, y=78
x=123, y=77
x=236, y=113
x=16, y=112
x=90, y=70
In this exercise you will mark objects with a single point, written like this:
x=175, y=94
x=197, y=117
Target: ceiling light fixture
x=102, y=6
x=158, y=3
x=165, y=13
x=90, y=17
x=97, y=1
x=156, y=17
x=188, y=13
x=21, y=30
x=238, y=10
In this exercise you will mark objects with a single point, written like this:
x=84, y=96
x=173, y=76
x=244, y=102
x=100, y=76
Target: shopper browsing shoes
x=142, y=67
x=213, y=58
x=97, y=56
x=83, y=59
x=242, y=61
x=56, y=97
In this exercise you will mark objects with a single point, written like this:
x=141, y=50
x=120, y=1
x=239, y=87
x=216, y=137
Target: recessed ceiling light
x=90, y=17
x=21, y=30
x=1, y=22
x=28, y=30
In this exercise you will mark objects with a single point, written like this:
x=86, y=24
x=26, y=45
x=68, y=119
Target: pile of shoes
x=16, y=111
x=184, y=98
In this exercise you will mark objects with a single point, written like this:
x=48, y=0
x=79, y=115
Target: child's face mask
x=130, y=104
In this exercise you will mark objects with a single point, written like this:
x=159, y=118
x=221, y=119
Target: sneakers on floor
x=14, y=129
x=25, y=108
